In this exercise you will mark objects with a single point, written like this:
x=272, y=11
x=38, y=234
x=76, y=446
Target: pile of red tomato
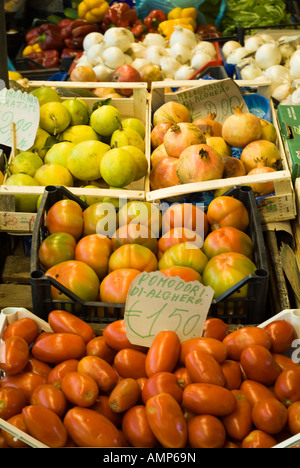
x=70, y=388
x=100, y=264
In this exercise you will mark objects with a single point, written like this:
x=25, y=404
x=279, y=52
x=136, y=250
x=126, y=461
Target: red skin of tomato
x=103, y=373
x=284, y=362
x=163, y=353
x=166, y=420
x=64, y=322
x=227, y=239
x=114, y=287
x=206, y=431
x=12, y=400
x=130, y=363
x=258, y=439
x=79, y=389
x=59, y=347
x=136, y=428
x=17, y=421
x=203, y=367
x=95, y=251
x=26, y=381
x=204, y=398
x=239, y=339
x=14, y=355
x=65, y=216
x=98, y=347
x=282, y=335
x=26, y=328
x=287, y=386
x=45, y=425
x=227, y=211
x=255, y=391
x=232, y=373
x=101, y=406
x=60, y=370
x=115, y=336
x=238, y=424
x=211, y=345
x=215, y=328
x=269, y=415
x=124, y=395
x=38, y=367
x=162, y=382
x=56, y=248
x=183, y=377
x=258, y=364
x=88, y=428
x=294, y=418
x=3, y=443
x=51, y=397
x=185, y=215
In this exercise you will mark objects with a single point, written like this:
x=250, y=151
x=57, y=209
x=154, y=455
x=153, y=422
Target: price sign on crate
x=22, y=110
x=156, y=302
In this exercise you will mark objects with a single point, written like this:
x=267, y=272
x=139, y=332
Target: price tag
x=23, y=110
x=155, y=302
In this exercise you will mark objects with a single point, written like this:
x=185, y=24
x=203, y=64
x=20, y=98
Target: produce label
x=156, y=302
x=23, y=110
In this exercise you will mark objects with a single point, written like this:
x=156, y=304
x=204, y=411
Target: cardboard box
x=289, y=125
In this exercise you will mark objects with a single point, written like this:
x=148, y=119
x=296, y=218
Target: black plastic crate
x=249, y=310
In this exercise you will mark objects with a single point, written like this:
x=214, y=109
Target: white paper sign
x=23, y=109
x=156, y=302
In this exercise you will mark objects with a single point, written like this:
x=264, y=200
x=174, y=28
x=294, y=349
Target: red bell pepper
x=120, y=15
x=48, y=58
x=75, y=32
x=154, y=18
x=49, y=37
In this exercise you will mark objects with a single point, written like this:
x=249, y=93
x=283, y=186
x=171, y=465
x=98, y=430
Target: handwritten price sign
x=155, y=303
x=23, y=110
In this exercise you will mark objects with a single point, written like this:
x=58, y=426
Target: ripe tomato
x=3, y=443
x=11, y=440
x=59, y=347
x=176, y=236
x=130, y=363
x=284, y=362
x=287, y=386
x=232, y=373
x=185, y=215
x=51, y=397
x=14, y=355
x=101, y=406
x=88, y=428
x=213, y=346
x=227, y=239
x=227, y=211
x=136, y=428
x=103, y=373
x=45, y=426
x=26, y=328
x=134, y=234
x=205, y=398
x=140, y=212
x=60, y=370
x=79, y=389
x=269, y=415
x=133, y=256
x=222, y=272
x=38, y=367
x=99, y=218
x=185, y=273
x=206, y=431
x=282, y=335
x=12, y=400
x=215, y=328
x=166, y=420
x=124, y=395
x=115, y=285
x=163, y=353
x=65, y=216
x=98, y=347
x=203, y=367
x=115, y=336
x=239, y=339
x=94, y=250
x=25, y=381
x=64, y=322
x=162, y=382
x=76, y=276
x=294, y=418
x=258, y=364
x=238, y=424
x=56, y=248
x=184, y=254
x=256, y=391
x=258, y=439
x=183, y=377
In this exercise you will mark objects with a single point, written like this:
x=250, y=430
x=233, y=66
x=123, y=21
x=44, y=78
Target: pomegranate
x=209, y=126
x=83, y=73
x=157, y=155
x=262, y=188
x=126, y=73
x=233, y=167
x=171, y=111
x=261, y=153
x=164, y=174
x=198, y=163
x=181, y=136
x=241, y=128
x=158, y=132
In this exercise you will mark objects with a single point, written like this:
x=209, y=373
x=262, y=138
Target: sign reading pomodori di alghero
x=156, y=302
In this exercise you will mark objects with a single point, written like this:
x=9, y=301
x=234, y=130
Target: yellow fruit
x=78, y=133
x=78, y=111
x=41, y=142
x=140, y=159
x=53, y=174
x=25, y=162
x=54, y=117
x=58, y=153
x=118, y=167
x=23, y=202
x=105, y=120
x=84, y=159
x=13, y=75
x=1, y=177
x=127, y=136
x=45, y=94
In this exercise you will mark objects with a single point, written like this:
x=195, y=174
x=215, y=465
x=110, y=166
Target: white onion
x=286, y=51
x=267, y=38
x=136, y=50
x=199, y=60
x=268, y=55
x=278, y=74
x=94, y=53
x=229, y=47
x=237, y=55
x=154, y=39
x=155, y=54
x=92, y=39
x=184, y=36
x=113, y=57
x=139, y=63
x=282, y=91
x=127, y=59
x=118, y=37
x=169, y=66
x=180, y=52
x=253, y=43
x=184, y=72
x=83, y=60
x=102, y=72
x=296, y=97
x=249, y=69
x=206, y=47
x=295, y=64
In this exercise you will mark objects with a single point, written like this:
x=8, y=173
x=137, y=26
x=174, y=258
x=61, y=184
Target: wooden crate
x=135, y=106
x=278, y=207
